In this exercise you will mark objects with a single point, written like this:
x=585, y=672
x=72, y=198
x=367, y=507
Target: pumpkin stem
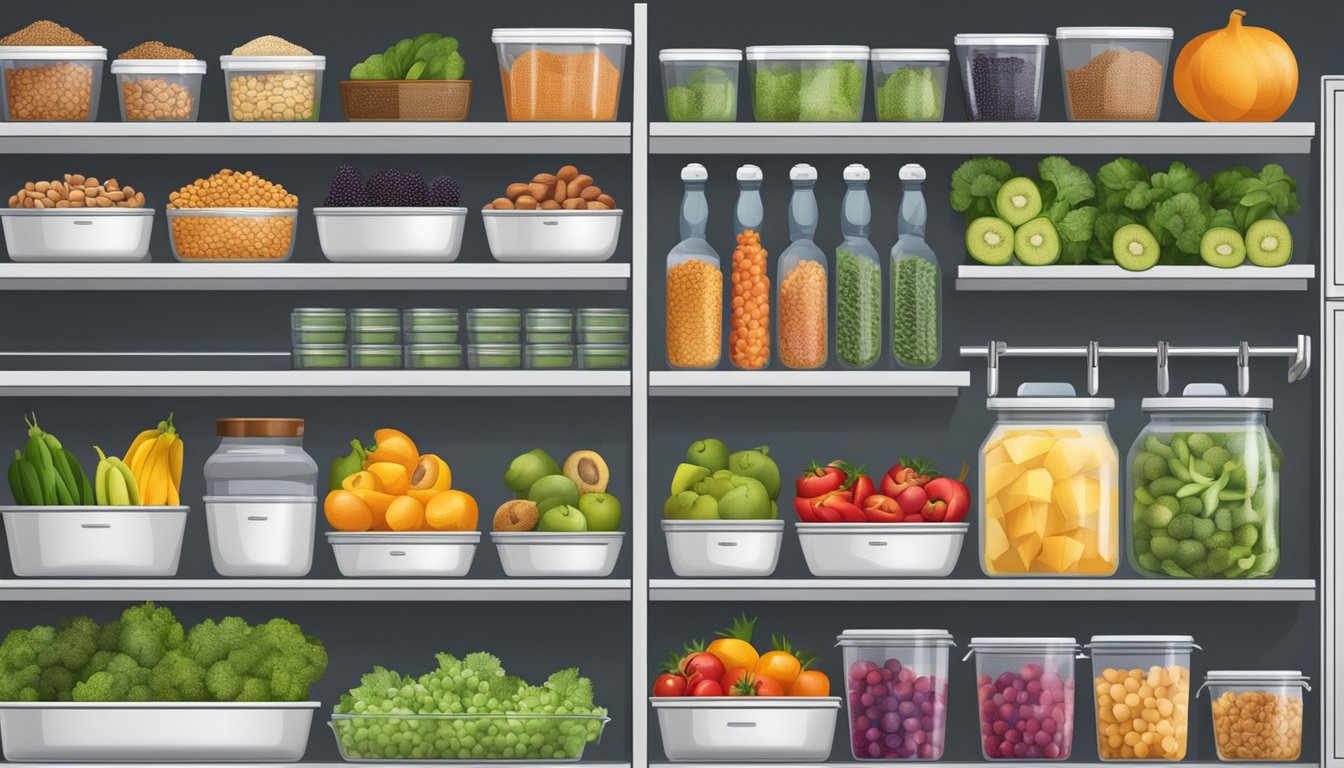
x=1234, y=20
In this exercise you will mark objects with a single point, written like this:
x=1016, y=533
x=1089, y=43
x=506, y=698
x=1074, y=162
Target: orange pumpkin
x=1237, y=73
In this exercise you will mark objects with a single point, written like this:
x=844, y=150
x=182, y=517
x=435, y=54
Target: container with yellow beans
x=1141, y=688
x=1257, y=715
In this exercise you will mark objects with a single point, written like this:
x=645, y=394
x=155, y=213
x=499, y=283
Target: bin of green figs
x=548, y=356
x=319, y=356
x=433, y=356
x=313, y=325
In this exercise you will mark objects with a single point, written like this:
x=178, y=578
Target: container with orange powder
x=561, y=74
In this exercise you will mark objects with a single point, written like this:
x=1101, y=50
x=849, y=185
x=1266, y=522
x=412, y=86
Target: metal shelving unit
x=1103, y=277
x=978, y=590
x=807, y=383
x=952, y=764
x=318, y=590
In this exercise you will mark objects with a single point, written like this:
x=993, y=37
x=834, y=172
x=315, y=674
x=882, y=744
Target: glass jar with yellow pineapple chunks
x=1049, y=485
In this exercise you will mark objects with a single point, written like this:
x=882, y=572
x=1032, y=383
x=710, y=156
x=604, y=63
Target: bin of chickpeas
x=232, y=216
x=50, y=73
x=158, y=82
x=1142, y=694
x=270, y=79
x=1257, y=715
x=561, y=216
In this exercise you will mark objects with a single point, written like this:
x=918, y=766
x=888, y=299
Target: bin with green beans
x=858, y=278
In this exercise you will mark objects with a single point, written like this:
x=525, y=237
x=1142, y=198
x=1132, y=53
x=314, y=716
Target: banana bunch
x=113, y=483
x=155, y=462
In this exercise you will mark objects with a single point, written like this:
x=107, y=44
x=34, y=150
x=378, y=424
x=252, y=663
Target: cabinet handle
x=740, y=724
x=257, y=518
x=397, y=553
x=877, y=543
x=727, y=543
x=95, y=525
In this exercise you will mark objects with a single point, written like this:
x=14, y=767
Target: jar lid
x=373, y=312
x=750, y=173
x=913, y=172
x=256, y=427
x=493, y=312
x=553, y=312
x=53, y=52
x=317, y=311
x=571, y=36
x=273, y=63
x=1109, y=33
x=856, y=172
x=806, y=52
x=802, y=172
x=425, y=349
x=1048, y=396
x=1218, y=675
x=430, y=312
x=1004, y=40
x=1207, y=398
x=869, y=637
x=1107, y=642
x=1000, y=643
x=700, y=54
x=910, y=54
x=694, y=172
x=604, y=311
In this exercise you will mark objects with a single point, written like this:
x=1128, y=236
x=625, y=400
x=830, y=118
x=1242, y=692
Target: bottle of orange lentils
x=749, y=297
x=803, y=296
x=694, y=283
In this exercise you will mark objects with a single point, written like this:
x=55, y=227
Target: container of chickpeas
x=163, y=89
x=1257, y=715
x=270, y=79
x=232, y=217
x=1141, y=686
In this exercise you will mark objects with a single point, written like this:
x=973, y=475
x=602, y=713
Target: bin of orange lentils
x=749, y=322
x=802, y=311
x=694, y=313
x=561, y=74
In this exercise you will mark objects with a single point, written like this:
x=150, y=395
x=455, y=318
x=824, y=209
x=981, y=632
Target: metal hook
x=1302, y=362
x=1163, y=372
x=1244, y=368
x=992, y=351
x=1093, y=367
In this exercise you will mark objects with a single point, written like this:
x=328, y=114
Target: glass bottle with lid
x=1049, y=485
x=858, y=278
x=916, y=283
x=802, y=293
x=749, y=322
x=1204, y=487
x=694, y=282
x=260, y=457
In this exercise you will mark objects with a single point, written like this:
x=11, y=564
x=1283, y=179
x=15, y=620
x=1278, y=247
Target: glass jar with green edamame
x=1204, y=487
x=916, y=292
x=858, y=278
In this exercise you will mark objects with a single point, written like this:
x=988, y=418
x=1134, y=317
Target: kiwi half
x=1135, y=248
x=1036, y=243
x=1269, y=243
x=1018, y=201
x=1222, y=247
x=990, y=241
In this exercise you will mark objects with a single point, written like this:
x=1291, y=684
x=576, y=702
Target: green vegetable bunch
x=713, y=484
x=430, y=56
x=471, y=709
x=146, y=655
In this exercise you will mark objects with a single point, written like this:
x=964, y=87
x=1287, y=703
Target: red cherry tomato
x=669, y=684
x=704, y=687
x=702, y=666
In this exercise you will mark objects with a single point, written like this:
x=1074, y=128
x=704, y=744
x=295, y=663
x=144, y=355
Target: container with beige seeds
x=271, y=79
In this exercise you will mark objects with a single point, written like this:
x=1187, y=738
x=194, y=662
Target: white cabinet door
x=1332, y=185
x=1332, y=582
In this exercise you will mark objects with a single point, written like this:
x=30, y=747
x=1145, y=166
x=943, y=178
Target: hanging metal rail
x=1162, y=352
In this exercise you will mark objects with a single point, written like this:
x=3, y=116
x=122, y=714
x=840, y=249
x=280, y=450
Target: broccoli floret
x=1164, y=547
x=274, y=661
x=148, y=632
x=1221, y=540
x=1204, y=529
x=19, y=673
x=177, y=677
x=56, y=684
x=1246, y=535
x=209, y=642
x=1158, y=515
x=1189, y=551
x=1191, y=505
x=74, y=643
x=120, y=679
x=1155, y=467
x=1164, y=486
x=1182, y=527
x=1155, y=444
x=1199, y=443
x=1216, y=457
x=1222, y=519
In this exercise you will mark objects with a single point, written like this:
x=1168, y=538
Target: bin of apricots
x=396, y=513
x=1141, y=686
x=561, y=74
x=1257, y=714
x=232, y=216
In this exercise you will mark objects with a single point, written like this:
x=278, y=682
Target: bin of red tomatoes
x=707, y=692
x=909, y=522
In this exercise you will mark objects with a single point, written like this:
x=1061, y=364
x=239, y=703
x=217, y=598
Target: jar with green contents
x=494, y=326
x=604, y=356
x=858, y=279
x=1204, y=487
x=548, y=356
x=315, y=356
x=375, y=326
x=495, y=356
x=318, y=326
x=916, y=284
x=700, y=84
x=433, y=356
x=549, y=326
x=429, y=326
x=375, y=356
x=909, y=84
x=603, y=326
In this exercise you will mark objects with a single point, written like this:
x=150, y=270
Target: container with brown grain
x=1113, y=73
x=1257, y=715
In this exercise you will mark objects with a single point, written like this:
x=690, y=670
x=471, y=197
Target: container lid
x=1215, y=675
x=58, y=52
x=497, y=348
x=320, y=350
x=550, y=348
x=1208, y=398
x=750, y=173
x=913, y=172
x=1113, y=33
x=910, y=54
x=1005, y=40
x=700, y=54
x=1118, y=642
x=881, y=637
x=430, y=349
x=373, y=311
x=604, y=312
x=257, y=427
x=549, y=312
x=573, y=36
x=856, y=172
x=1000, y=643
x=269, y=63
x=735, y=526
x=493, y=312
x=806, y=52
x=317, y=311
x=604, y=349
x=802, y=172
x=397, y=537
x=158, y=67
x=430, y=312
x=1048, y=396
x=694, y=172
x=375, y=349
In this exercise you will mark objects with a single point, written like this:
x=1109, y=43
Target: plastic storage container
x=111, y=542
x=51, y=82
x=318, y=356
x=430, y=326
x=535, y=554
x=1160, y=666
x=549, y=326
x=749, y=297
x=916, y=281
x=714, y=548
x=1204, y=487
x=151, y=732
x=561, y=74
x=423, y=554
x=375, y=326
x=433, y=355
x=1006, y=729
x=252, y=82
x=550, y=356
x=747, y=728
x=77, y=234
x=603, y=356
x=700, y=84
x=896, y=681
x=801, y=281
x=1113, y=73
x=1001, y=75
x=376, y=738
x=807, y=83
x=494, y=326
x=1049, y=485
x=159, y=89
x=881, y=549
x=858, y=278
x=494, y=355
x=318, y=325
x=694, y=335
x=602, y=326
x=910, y=84
x=390, y=234
x=261, y=499
x=565, y=236
x=1257, y=715
x=375, y=355
x=248, y=234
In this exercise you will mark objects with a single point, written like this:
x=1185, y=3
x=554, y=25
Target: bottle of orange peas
x=802, y=279
x=694, y=283
x=749, y=297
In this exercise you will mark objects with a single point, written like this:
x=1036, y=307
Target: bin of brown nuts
x=50, y=73
x=561, y=216
x=1257, y=715
x=271, y=79
x=158, y=82
x=232, y=216
x=77, y=218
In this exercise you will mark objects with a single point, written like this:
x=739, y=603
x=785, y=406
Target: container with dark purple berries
x=1002, y=75
x=896, y=683
x=1025, y=693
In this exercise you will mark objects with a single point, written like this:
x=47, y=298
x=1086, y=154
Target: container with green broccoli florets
x=700, y=84
x=909, y=84
x=807, y=83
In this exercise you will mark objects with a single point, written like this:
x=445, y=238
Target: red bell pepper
x=949, y=499
x=908, y=473
x=863, y=488
x=882, y=509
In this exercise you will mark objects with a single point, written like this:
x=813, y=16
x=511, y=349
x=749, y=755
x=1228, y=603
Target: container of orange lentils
x=561, y=74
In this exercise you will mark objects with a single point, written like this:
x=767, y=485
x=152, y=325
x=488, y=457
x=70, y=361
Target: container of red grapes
x=896, y=682
x=1025, y=692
